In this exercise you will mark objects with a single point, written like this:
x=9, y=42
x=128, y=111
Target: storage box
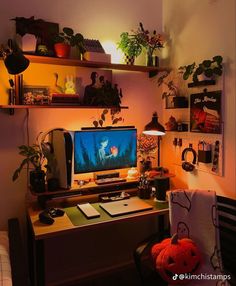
x=97, y=57
x=204, y=156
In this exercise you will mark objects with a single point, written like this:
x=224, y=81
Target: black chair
x=226, y=209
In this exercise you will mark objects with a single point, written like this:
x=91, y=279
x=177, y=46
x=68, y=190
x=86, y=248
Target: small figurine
x=70, y=85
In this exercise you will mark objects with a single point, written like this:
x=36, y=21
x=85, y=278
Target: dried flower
x=147, y=145
x=150, y=41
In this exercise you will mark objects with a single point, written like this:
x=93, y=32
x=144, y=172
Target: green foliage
x=102, y=118
x=33, y=155
x=68, y=37
x=209, y=68
x=130, y=45
x=166, y=79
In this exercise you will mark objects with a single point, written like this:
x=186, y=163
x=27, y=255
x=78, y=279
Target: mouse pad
x=79, y=219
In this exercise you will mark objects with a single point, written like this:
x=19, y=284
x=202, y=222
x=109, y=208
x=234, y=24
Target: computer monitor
x=104, y=149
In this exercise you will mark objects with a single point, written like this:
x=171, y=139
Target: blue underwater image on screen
x=97, y=150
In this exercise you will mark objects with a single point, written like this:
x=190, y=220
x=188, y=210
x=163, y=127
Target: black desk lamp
x=13, y=58
x=156, y=129
x=161, y=183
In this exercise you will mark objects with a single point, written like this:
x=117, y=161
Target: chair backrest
x=226, y=209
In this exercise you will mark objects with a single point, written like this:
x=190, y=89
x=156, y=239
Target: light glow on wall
x=111, y=48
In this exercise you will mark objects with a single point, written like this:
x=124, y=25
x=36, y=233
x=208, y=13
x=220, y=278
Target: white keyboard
x=109, y=180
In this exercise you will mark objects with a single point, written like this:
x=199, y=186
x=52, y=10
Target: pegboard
x=193, y=139
x=183, y=115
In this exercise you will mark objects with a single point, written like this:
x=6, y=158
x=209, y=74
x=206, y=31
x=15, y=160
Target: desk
x=40, y=233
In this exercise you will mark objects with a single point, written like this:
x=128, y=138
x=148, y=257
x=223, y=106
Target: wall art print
x=205, y=112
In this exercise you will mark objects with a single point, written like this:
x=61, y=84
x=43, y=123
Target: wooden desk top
x=63, y=225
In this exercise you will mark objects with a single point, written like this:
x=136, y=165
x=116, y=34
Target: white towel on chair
x=193, y=215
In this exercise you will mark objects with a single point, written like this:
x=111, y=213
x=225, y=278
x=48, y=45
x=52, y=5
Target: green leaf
x=217, y=71
x=185, y=75
x=218, y=59
x=208, y=72
x=206, y=63
x=79, y=37
x=103, y=117
x=95, y=123
x=68, y=31
x=115, y=121
x=199, y=70
x=15, y=175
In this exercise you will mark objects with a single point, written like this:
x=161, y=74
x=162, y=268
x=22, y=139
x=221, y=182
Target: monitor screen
x=98, y=150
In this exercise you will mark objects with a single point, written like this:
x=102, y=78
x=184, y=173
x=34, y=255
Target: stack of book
x=65, y=99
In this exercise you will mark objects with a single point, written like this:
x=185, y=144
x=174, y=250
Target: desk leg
x=36, y=259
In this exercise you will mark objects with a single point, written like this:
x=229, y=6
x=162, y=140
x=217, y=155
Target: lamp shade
x=154, y=127
x=16, y=62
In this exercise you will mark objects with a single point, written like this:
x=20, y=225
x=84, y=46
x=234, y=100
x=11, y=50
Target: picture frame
x=205, y=112
x=36, y=95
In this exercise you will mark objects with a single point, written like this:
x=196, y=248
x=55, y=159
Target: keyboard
x=109, y=180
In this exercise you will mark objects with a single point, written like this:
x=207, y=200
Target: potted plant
x=147, y=145
x=33, y=156
x=130, y=45
x=67, y=39
x=207, y=68
x=171, y=91
x=151, y=41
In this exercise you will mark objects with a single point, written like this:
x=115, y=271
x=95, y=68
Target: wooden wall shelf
x=59, y=106
x=89, y=64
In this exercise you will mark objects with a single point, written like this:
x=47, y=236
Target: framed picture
x=36, y=95
x=205, y=112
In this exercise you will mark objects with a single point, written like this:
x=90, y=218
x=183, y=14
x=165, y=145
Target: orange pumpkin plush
x=176, y=256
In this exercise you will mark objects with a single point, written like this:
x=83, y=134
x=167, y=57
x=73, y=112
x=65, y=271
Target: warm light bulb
x=111, y=48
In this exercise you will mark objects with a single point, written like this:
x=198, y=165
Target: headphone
x=188, y=166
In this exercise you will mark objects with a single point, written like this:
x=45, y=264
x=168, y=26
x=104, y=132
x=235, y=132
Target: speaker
x=162, y=184
x=62, y=146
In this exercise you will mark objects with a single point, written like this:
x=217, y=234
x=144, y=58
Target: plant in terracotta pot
x=34, y=157
x=207, y=68
x=130, y=45
x=67, y=39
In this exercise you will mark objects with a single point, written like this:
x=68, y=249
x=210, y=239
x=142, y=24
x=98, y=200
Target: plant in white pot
x=67, y=39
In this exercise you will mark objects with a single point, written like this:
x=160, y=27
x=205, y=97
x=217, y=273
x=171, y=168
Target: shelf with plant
x=67, y=39
x=90, y=64
x=204, y=73
x=172, y=92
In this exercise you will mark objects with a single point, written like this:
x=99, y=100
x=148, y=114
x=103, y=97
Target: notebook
x=125, y=206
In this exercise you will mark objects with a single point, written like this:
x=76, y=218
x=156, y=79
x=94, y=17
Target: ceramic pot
x=37, y=181
x=62, y=50
x=129, y=60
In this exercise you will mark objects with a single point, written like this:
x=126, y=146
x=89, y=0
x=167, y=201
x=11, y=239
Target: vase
x=152, y=60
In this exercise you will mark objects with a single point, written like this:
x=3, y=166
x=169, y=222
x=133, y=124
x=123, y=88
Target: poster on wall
x=205, y=112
